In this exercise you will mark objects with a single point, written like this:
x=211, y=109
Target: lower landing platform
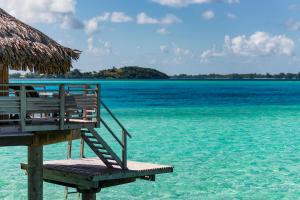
x=90, y=174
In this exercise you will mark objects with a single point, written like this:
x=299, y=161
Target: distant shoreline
x=140, y=73
x=170, y=79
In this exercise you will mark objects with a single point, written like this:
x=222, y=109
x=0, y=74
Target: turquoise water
x=226, y=140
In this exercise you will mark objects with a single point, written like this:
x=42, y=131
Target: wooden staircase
x=101, y=148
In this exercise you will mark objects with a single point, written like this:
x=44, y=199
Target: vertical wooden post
x=124, y=150
x=62, y=106
x=82, y=148
x=98, y=93
x=35, y=172
x=3, y=80
x=88, y=195
x=23, y=107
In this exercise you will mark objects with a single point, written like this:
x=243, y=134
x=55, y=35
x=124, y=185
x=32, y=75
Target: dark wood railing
x=43, y=107
x=125, y=134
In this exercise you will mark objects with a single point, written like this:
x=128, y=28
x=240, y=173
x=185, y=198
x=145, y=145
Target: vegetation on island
x=240, y=76
x=130, y=72
x=134, y=72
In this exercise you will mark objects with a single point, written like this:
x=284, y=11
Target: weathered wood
x=3, y=80
x=16, y=139
x=88, y=195
x=43, y=109
x=35, y=172
x=62, y=106
x=23, y=108
x=92, y=174
x=124, y=150
x=54, y=137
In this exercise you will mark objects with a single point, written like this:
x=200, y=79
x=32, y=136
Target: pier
x=35, y=115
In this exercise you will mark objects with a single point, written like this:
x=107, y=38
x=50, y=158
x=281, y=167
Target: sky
x=174, y=36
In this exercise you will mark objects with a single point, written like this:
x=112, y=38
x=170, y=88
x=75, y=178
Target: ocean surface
x=226, y=140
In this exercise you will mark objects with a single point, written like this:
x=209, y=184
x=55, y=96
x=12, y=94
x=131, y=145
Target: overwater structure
x=35, y=115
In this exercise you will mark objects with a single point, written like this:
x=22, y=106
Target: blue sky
x=174, y=36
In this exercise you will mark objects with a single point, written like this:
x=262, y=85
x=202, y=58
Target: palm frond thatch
x=23, y=47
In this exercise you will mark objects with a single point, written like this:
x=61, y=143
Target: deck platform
x=16, y=138
x=92, y=174
x=13, y=138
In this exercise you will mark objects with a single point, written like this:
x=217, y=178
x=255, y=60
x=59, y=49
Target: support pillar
x=3, y=80
x=88, y=195
x=35, y=172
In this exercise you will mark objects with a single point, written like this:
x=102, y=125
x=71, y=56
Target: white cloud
x=257, y=44
x=120, y=17
x=99, y=48
x=231, y=16
x=233, y=1
x=143, y=18
x=182, y=3
x=70, y=22
x=293, y=25
x=162, y=31
x=180, y=51
x=209, y=14
x=43, y=11
x=260, y=43
x=170, y=19
x=92, y=25
x=163, y=49
x=210, y=53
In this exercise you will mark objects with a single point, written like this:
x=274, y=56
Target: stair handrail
x=116, y=120
x=125, y=134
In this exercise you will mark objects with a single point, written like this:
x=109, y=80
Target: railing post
x=62, y=106
x=98, y=93
x=22, y=107
x=124, y=150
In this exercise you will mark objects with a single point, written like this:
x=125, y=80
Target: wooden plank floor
x=92, y=174
x=94, y=169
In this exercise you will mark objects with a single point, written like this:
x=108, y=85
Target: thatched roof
x=23, y=47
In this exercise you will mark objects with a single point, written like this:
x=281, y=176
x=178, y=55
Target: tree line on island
x=134, y=72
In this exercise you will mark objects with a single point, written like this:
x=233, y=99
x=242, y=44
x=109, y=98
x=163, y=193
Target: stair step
x=100, y=147
x=72, y=192
x=104, y=153
x=114, y=163
x=108, y=157
x=95, y=142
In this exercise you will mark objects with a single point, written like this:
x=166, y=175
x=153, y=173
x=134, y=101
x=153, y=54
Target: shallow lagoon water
x=226, y=140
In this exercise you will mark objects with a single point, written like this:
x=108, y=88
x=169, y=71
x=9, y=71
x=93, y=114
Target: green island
x=135, y=72
x=128, y=72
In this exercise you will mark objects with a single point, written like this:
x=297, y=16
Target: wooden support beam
x=88, y=195
x=35, y=172
x=3, y=80
x=53, y=137
x=16, y=139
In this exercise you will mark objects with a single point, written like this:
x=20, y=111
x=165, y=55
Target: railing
x=125, y=134
x=43, y=107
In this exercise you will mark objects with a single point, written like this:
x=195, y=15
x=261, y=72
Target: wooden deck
x=16, y=138
x=12, y=138
x=49, y=107
x=88, y=174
